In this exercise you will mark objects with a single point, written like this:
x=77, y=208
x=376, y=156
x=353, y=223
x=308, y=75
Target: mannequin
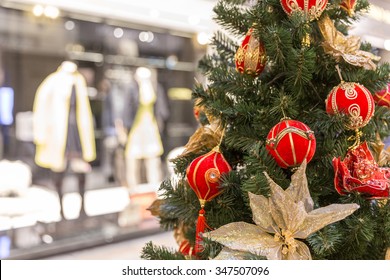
x=144, y=141
x=117, y=100
x=63, y=127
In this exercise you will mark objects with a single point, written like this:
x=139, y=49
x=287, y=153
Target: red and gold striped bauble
x=312, y=9
x=348, y=6
x=203, y=176
x=290, y=142
x=250, y=57
x=186, y=249
x=353, y=100
x=382, y=98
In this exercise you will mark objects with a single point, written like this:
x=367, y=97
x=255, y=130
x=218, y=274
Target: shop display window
x=153, y=76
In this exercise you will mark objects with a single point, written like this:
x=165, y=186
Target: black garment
x=73, y=144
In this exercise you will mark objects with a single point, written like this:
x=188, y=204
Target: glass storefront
x=123, y=68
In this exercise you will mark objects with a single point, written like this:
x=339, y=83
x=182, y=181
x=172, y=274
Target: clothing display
x=117, y=94
x=135, y=110
x=144, y=139
x=53, y=117
x=63, y=126
x=94, y=122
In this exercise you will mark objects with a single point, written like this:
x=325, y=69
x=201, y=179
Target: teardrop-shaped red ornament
x=203, y=176
x=348, y=6
x=204, y=172
x=250, y=57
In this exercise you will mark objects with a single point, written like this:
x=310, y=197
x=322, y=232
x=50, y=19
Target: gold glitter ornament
x=280, y=220
x=381, y=155
x=342, y=47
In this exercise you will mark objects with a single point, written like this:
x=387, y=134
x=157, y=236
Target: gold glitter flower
x=280, y=221
x=346, y=48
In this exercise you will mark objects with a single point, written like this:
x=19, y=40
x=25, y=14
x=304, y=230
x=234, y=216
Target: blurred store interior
x=121, y=49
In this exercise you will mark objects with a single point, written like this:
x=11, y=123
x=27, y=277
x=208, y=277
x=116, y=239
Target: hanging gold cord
x=217, y=148
x=339, y=72
x=355, y=138
x=306, y=39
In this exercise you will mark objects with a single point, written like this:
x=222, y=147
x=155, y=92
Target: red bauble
x=204, y=172
x=203, y=176
x=359, y=172
x=353, y=100
x=186, y=249
x=290, y=142
x=250, y=57
x=310, y=8
x=382, y=98
x=348, y=6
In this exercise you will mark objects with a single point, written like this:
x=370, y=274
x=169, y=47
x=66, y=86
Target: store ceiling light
x=51, y=12
x=118, y=32
x=69, y=25
x=146, y=36
x=203, y=38
x=38, y=10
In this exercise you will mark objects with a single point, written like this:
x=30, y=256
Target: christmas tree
x=288, y=161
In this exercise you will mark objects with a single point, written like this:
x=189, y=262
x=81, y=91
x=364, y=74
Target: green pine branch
x=154, y=252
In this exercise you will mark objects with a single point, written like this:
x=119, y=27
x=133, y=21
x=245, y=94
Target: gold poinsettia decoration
x=346, y=48
x=280, y=221
x=206, y=137
x=381, y=155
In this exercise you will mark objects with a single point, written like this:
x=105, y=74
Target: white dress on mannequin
x=144, y=141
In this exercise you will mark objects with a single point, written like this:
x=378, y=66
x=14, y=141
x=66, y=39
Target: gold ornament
x=387, y=254
x=205, y=137
x=381, y=155
x=347, y=48
x=155, y=207
x=280, y=220
x=228, y=254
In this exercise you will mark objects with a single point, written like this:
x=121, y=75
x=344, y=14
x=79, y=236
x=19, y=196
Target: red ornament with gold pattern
x=290, y=142
x=353, y=100
x=382, y=98
x=348, y=6
x=250, y=57
x=359, y=172
x=312, y=9
x=203, y=176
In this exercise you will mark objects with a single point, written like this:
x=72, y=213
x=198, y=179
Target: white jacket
x=50, y=118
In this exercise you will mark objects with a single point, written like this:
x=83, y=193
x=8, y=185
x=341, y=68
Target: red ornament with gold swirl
x=353, y=100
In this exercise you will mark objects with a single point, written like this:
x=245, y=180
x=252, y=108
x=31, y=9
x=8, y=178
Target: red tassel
x=200, y=228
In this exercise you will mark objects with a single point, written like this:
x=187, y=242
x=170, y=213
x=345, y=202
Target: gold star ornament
x=280, y=221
